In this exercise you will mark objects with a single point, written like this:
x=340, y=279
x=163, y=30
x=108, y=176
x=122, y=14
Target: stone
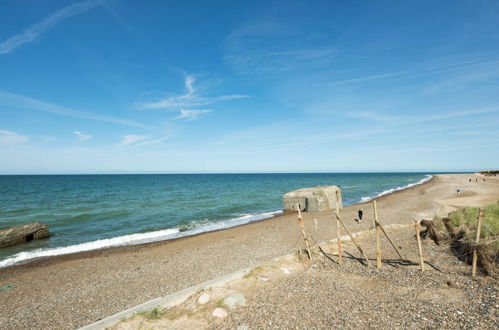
x=314, y=199
x=203, y=299
x=220, y=313
x=22, y=234
x=234, y=300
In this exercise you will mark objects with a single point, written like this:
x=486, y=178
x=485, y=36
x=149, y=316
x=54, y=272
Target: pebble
x=220, y=313
x=234, y=300
x=203, y=299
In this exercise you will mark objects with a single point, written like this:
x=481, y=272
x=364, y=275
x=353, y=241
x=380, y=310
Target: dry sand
x=74, y=290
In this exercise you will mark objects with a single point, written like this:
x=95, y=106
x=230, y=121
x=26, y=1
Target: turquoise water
x=86, y=212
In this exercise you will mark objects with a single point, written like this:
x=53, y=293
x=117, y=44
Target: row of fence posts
x=379, y=229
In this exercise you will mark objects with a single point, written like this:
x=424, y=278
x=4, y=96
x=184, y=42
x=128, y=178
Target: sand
x=74, y=290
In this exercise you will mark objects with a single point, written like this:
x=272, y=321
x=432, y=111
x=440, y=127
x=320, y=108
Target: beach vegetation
x=253, y=272
x=220, y=303
x=153, y=314
x=460, y=227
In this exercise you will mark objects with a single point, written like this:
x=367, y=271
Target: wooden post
x=477, y=240
x=302, y=225
x=375, y=213
x=315, y=221
x=378, y=234
x=389, y=240
x=420, y=249
x=353, y=239
x=338, y=233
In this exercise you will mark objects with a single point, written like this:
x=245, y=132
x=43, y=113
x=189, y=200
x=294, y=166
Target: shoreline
x=70, y=291
x=178, y=234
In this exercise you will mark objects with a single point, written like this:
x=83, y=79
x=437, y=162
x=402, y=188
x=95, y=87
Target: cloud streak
x=35, y=30
x=189, y=99
x=24, y=102
x=191, y=114
x=139, y=140
x=82, y=136
x=8, y=137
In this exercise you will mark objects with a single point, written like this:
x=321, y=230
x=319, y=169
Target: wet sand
x=74, y=290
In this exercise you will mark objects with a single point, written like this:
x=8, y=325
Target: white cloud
x=191, y=114
x=8, y=137
x=148, y=142
x=35, y=30
x=83, y=136
x=140, y=140
x=21, y=101
x=189, y=99
x=130, y=139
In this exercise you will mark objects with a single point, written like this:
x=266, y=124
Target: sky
x=123, y=86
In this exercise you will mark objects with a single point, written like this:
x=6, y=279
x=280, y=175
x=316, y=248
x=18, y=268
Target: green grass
x=153, y=314
x=467, y=219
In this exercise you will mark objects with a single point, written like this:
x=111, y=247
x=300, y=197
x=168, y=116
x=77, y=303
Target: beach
x=73, y=290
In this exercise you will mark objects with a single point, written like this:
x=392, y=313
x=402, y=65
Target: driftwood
x=21, y=234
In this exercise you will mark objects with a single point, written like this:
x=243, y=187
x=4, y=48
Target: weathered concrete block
x=313, y=199
x=21, y=234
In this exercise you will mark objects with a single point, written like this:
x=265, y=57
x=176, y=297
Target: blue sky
x=124, y=86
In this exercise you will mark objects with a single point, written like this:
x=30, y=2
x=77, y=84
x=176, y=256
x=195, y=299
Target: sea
x=88, y=212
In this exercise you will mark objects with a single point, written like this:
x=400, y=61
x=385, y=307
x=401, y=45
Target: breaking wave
x=392, y=190
x=194, y=227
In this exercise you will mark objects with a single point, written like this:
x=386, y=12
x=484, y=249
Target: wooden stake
x=378, y=234
x=353, y=239
x=302, y=225
x=315, y=221
x=420, y=249
x=389, y=240
x=375, y=213
x=338, y=233
x=477, y=240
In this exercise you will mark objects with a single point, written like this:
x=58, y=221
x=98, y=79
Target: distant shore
x=72, y=290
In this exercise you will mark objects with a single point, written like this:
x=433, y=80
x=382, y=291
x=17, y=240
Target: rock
x=21, y=234
x=235, y=300
x=220, y=313
x=203, y=299
x=242, y=327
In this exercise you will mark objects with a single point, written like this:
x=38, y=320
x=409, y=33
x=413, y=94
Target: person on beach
x=360, y=212
x=458, y=191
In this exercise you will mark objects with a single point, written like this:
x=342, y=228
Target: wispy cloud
x=154, y=141
x=8, y=137
x=130, y=139
x=487, y=69
x=140, y=140
x=24, y=102
x=273, y=46
x=35, y=30
x=191, y=114
x=407, y=120
x=191, y=98
x=82, y=136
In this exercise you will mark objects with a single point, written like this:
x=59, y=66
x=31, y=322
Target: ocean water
x=86, y=212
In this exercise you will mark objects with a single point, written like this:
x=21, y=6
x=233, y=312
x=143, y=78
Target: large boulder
x=315, y=199
x=21, y=234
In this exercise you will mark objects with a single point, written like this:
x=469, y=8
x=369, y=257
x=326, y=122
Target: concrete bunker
x=320, y=198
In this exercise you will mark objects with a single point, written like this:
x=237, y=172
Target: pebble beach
x=73, y=290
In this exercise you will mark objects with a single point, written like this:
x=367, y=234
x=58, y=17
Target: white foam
x=94, y=245
x=139, y=238
x=392, y=190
